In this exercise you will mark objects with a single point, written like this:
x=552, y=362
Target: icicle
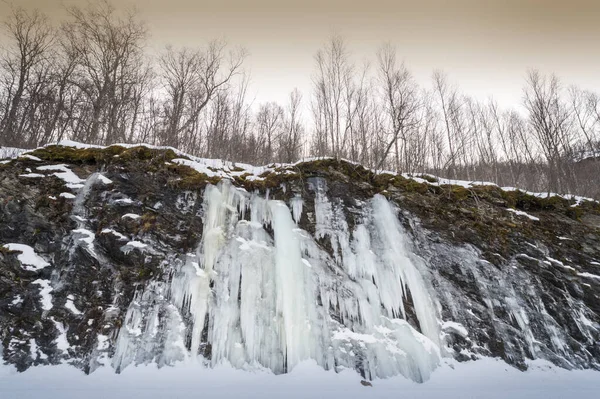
x=296, y=204
x=293, y=295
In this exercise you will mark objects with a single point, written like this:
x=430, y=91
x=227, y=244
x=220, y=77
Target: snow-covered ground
x=487, y=378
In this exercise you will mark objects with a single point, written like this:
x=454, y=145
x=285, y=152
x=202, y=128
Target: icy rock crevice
x=260, y=292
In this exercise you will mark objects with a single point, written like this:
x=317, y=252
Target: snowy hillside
x=125, y=256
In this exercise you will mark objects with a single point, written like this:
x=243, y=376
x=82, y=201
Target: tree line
x=90, y=79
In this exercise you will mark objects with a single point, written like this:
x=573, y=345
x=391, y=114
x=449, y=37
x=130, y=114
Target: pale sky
x=485, y=46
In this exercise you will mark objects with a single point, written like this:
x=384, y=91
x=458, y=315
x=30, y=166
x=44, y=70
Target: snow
x=67, y=195
x=131, y=245
x=32, y=175
x=124, y=201
x=521, y=213
x=61, y=340
x=561, y=264
x=103, y=179
x=71, y=306
x=28, y=258
x=486, y=378
x=589, y=275
x=130, y=216
x=65, y=174
x=455, y=327
x=115, y=233
x=45, y=291
x=136, y=244
x=31, y=157
x=17, y=301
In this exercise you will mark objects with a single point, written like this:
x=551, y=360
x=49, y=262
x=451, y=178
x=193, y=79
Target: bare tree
x=191, y=79
x=332, y=86
x=400, y=104
x=291, y=139
x=31, y=36
x=550, y=124
x=108, y=48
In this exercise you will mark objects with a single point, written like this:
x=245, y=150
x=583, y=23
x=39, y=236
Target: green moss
x=429, y=178
x=179, y=176
x=72, y=155
x=322, y=167
x=188, y=178
x=148, y=221
x=144, y=274
x=410, y=185
x=114, y=153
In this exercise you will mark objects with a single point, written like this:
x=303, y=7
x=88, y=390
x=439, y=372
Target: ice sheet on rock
x=28, y=258
x=86, y=238
x=252, y=300
x=152, y=331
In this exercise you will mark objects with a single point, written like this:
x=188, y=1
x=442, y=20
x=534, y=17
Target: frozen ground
x=486, y=378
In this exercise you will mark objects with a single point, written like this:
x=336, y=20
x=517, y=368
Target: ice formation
x=260, y=292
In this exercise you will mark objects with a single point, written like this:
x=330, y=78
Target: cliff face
x=118, y=256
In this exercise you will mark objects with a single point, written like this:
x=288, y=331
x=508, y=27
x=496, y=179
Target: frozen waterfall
x=261, y=292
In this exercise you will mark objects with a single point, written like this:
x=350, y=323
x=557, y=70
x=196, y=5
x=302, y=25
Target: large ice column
x=191, y=287
x=225, y=333
x=399, y=276
x=258, y=313
x=375, y=273
x=294, y=288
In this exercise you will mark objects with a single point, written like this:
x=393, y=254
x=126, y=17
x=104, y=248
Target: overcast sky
x=485, y=46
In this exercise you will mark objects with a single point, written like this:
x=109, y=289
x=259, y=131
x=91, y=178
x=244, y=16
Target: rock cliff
x=130, y=254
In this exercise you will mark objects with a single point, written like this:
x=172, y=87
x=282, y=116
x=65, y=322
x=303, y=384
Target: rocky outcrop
x=119, y=256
